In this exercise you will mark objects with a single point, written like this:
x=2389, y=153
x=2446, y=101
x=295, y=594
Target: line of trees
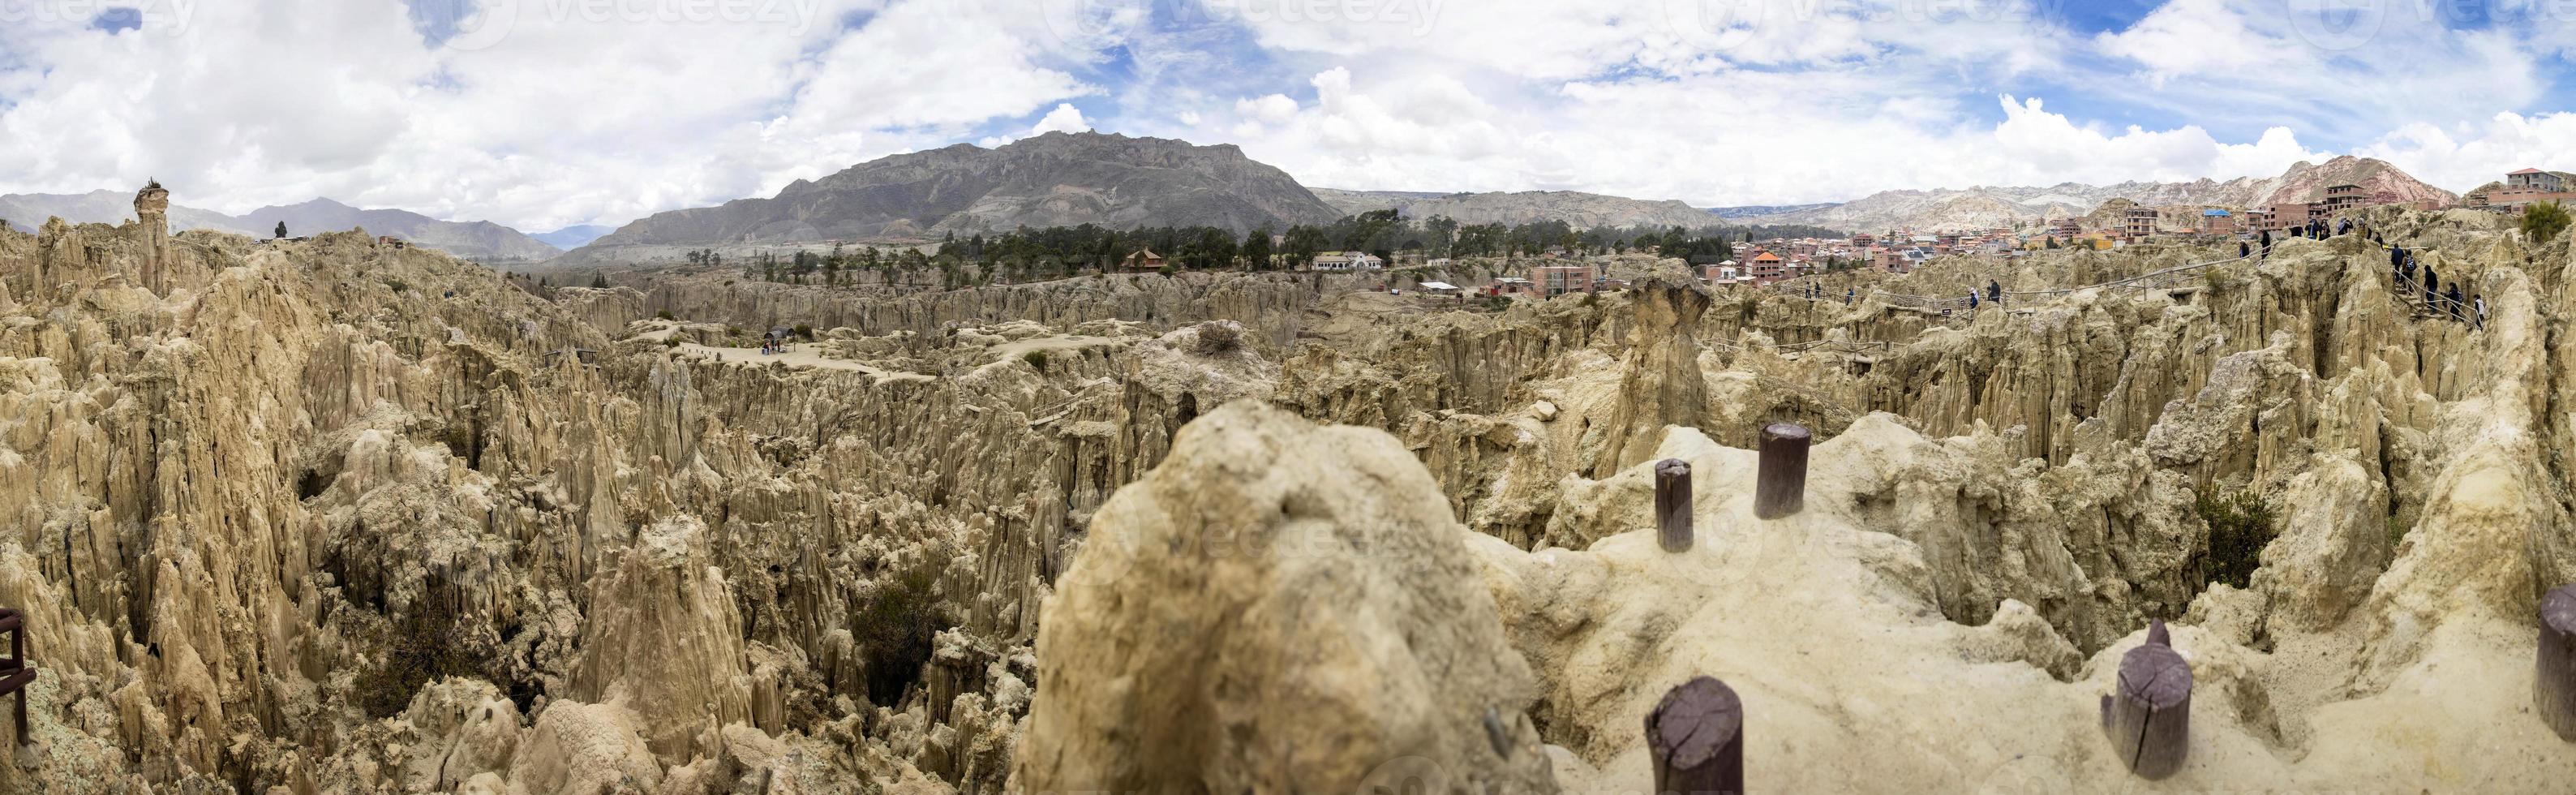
x=1026, y=254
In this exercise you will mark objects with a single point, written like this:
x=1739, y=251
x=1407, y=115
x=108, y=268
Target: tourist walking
x=2432, y=284
x=2482, y=312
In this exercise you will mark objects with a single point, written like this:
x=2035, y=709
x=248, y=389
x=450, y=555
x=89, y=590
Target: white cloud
x=2507, y=142
x=550, y=118
x=559, y=118
x=1065, y=118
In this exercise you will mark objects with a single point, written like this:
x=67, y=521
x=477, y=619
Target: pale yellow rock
x=1275, y=608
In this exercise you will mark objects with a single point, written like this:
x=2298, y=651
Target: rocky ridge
x=1983, y=207
x=482, y=240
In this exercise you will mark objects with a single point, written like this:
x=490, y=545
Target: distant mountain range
x=2006, y=206
x=480, y=240
x=1056, y=179
x=1066, y=179
x=1580, y=210
x=573, y=237
x=1760, y=210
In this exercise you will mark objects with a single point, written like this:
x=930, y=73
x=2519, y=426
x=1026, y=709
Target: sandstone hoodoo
x=288, y=524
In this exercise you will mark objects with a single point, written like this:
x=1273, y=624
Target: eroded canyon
x=337, y=516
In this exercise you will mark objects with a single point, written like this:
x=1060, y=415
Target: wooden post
x=2148, y=718
x=1780, y=483
x=2553, y=693
x=1696, y=737
x=1673, y=504
x=16, y=672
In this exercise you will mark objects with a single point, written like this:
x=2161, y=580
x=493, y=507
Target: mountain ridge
x=1056, y=179
x=1512, y=208
x=467, y=239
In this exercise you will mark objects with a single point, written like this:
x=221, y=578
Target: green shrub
x=397, y=285
x=1036, y=359
x=895, y=626
x=418, y=650
x=2239, y=526
x=662, y=315
x=2542, y=221
x=804, y=331
x=670, y=342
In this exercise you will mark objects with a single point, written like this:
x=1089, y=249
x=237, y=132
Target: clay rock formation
x=1663, y=384
x=1277, y=608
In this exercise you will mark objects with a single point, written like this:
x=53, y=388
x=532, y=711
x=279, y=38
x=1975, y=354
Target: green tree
x=1303, y=243
x=1256, y=249
x=281, y=230
x=2542, y=221
x=599, y=281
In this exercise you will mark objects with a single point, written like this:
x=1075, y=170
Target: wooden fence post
x=2553, y=692
x=1780, y=482
x=1673, y=504
x=1696, y=736
x=16, y=673
x=2148, y=718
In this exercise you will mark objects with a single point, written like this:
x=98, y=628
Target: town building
x=1767, y=266
x=2340, y=198
x=1556, y=280
x=2140, y=222
x=2535, y=179
x=2217, y=222
x=1348, y=261
x=1144, y=259
x=2522, y=189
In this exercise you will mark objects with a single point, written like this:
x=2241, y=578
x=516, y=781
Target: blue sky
x=546, y=113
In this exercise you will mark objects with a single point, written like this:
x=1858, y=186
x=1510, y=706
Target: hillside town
x=1760, y=263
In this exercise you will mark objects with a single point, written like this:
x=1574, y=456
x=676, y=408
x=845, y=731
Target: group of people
x=2403, y=267
x=1994, y=294
x=772, y=344
x=2314, y=229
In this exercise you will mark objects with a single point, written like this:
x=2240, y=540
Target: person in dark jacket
x=2430, y=283
x=2397, y=262
x=2451, y=300
x=1994, y=292
x=2267, y=244
x=2244, y=249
